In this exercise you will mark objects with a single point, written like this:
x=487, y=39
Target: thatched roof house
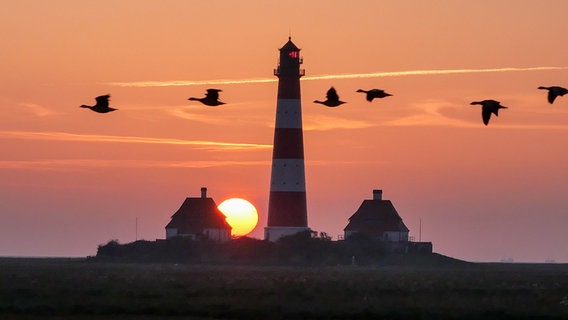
x=378, y=219
x=199, y=218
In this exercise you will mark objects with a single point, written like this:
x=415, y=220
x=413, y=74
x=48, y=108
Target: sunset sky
x=71, y=179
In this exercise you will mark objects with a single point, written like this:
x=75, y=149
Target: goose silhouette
x=487, y=108
x=211, y=98
x=102, y=104
x=554, y=92
x=375, y=93
x=332, y=99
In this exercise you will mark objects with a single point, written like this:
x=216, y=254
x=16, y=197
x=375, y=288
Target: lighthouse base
x=272, y=234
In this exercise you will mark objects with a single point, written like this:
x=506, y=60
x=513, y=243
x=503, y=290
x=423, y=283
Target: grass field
x=83, y=289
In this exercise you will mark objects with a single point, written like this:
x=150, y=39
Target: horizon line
x=179, y=83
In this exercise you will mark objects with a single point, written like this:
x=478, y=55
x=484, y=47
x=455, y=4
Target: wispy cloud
x=430, y=113
x=177, y=83
x=543, y=126
x=63, y=136
x=231, y=116
x=75, y=164
x=429, y=72
x=79, y=164
x=37, y=109
x=183, y=113
x=321, y=123
x=187, y=83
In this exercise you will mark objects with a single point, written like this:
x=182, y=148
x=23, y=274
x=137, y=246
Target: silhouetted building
x=199, y=218
x=287, y=209
x=377, y=219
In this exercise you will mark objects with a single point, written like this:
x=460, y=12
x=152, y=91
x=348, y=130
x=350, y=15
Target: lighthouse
x=287, y=209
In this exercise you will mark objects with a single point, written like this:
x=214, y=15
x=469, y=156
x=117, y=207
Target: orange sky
x=71, y=179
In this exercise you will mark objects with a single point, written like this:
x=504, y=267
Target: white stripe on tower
x=287, y=210
x=288, y=173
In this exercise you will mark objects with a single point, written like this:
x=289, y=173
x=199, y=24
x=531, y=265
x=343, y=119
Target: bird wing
x=332, y=94
x=212, y=94
x=102, y=101
x=551, y=96
x=486, y=115
x=495, y=109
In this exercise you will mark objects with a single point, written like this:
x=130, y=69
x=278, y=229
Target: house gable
x=377, y=218
x=197, y=215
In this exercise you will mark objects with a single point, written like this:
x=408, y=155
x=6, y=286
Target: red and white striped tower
x=287, y=209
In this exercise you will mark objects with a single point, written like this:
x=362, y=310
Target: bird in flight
x=211, y=98
x=487, y=108
x=554, y=92
x=375, y=93
x=102, y=104
x=332, y=99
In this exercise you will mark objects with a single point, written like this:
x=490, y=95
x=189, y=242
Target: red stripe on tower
x=287, y=210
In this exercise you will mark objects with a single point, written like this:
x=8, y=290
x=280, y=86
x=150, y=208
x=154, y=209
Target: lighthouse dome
x=289, y=46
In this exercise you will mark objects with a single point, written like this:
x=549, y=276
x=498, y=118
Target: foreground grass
x=77, y=288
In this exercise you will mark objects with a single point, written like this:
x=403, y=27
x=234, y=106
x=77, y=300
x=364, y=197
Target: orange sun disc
x=241, y=215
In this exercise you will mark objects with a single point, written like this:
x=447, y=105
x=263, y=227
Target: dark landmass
x=299, y=277
x=298, y=250
x=398, y=289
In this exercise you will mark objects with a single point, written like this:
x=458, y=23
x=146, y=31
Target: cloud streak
x=323, y=123
x=38, y=110
x=78, y=164
x=70, y=164
x=187, y=83
x=63, y=136
x=429, y=113
x=178, y=83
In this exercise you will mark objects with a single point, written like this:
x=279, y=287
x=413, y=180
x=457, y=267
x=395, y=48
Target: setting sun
x=241, y=215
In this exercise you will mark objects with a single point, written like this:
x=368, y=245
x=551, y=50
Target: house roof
x=196, y=214
x=376, y=217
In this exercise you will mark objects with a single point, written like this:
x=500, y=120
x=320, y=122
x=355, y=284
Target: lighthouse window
x=294, y=54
